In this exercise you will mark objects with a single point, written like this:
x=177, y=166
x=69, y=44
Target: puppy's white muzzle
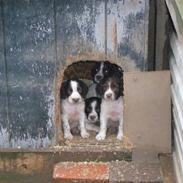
x=109, y=95
x=93, y=118
x=75, y=98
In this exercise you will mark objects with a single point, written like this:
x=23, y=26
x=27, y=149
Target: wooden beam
x=176, y=11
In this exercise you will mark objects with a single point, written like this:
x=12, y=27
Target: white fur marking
x=75, y=94
x=101, y=68
x=111, y=110
x=109, y=91
x=93, y=112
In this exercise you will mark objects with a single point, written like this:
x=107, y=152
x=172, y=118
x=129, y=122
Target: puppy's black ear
x=118, y=71
x=63, y=90
x=121, y=87
x=84, y=88
x=93, y=70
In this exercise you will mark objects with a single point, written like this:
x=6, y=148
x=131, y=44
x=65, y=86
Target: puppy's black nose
x=98, y=77
x=92, y=117
x=109, y=95
x=75, y=100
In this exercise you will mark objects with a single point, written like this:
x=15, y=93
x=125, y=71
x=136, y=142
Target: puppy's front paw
x=120, y=136
x=85, y=134
x=100, y=136
x=68, y=136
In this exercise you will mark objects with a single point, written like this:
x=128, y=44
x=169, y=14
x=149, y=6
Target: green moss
x=10, y=155
x=14, y=177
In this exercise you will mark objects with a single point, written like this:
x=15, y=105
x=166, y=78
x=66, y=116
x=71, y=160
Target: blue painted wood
x=30, y=45
x=127, y=33
x=4, y=136
x=80, y=29
x=42, y=36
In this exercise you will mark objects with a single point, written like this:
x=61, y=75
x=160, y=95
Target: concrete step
x=107, y=172
x=80, y=149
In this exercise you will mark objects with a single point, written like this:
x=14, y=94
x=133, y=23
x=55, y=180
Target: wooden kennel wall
x=38, y=38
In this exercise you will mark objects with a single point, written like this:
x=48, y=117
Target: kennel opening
x=81, y=70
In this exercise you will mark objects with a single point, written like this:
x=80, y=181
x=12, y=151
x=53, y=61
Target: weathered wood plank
x=178, y=128
x=177, y=48
x=179, y=4
x=177, y=114
x=148, y=99
x=30, y=45
x=80, y=30
x=4, y=141
x=178, y=153
x=162, y=46
x=176, y=67
x=178, y=174
x=176, y=11
x=127, y=33
x=177, y=80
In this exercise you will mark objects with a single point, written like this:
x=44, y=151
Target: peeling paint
x=130, y=30
x=4, y=138
x=84, y=29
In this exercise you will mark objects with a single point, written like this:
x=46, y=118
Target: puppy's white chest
x=113, y=109
x=73, y=110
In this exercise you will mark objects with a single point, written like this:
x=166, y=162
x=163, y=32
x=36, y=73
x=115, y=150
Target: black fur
x=88, y=103
x=116, y=71
x=66, y=89
x=109, y=70
x=84, y=88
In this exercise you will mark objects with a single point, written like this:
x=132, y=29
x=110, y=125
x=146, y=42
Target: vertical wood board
x=30, y=68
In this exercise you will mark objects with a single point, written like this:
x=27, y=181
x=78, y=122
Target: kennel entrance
x=82, y=71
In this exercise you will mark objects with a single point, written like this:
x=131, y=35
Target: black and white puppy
x=101, y=70
x=92, y=112
x=111, y=91
x=73, y=92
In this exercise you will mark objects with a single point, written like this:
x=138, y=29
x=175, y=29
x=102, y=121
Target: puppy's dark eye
x=70, y=91
x=113, y=86
x=97, y=109
x=88, y=109
x=79, y=89
x=106, y=71
x=96, y=69
x=105, y=87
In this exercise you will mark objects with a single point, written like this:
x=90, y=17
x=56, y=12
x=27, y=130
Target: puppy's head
x=110, y=88
x=92, y=109
x=100, y=70
x=105, y=69
x=74, y=90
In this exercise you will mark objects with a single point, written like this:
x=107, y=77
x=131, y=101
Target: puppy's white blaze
x=93, y=112
x=93, y=105
x=101, y=68
x=109, y=91
x=75, y=94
